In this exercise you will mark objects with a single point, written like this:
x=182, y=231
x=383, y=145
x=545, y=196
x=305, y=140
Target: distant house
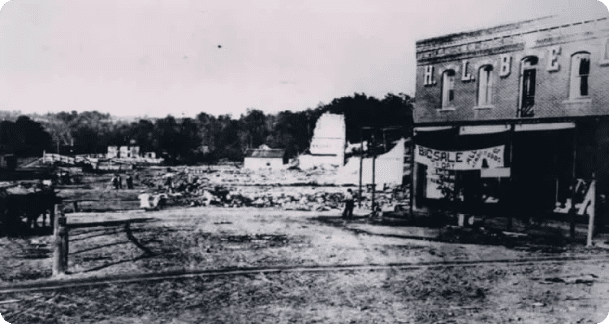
x=264, y=158
x=129, y=151
x=123, y=152
x=112, y=152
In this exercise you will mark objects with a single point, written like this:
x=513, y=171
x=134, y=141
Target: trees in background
x=209, y=138
x=362, y=111
x=23, y=137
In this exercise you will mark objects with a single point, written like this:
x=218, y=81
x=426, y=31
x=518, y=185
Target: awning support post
x=510, y=197
x=572, y=210
x=591, y=211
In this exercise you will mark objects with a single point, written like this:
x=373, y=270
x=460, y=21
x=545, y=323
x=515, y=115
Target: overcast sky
x=181, y=57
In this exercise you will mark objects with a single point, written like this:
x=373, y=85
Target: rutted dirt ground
x=473, y=295
x=219, y=238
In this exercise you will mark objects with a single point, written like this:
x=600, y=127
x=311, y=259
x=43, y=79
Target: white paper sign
x=490, y=158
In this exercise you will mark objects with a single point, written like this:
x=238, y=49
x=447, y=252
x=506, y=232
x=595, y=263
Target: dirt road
x=202, y=238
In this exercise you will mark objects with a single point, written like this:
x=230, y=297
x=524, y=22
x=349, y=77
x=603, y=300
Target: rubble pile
x=287, y=189
x=293, y=177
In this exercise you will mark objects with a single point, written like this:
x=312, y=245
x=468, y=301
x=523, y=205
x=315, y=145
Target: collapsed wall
x=328, y=143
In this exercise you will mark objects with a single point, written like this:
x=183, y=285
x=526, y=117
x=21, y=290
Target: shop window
x=528, y=78
x=485, y=85
x=448, y=88
x=580, y=71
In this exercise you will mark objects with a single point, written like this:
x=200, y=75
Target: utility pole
x=384, y=140
x=373, y=146
x=361, y=161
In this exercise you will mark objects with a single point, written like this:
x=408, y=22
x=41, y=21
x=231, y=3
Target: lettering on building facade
x=553, y=53
x=505, y=67
x=428, y=77
x=466, y=75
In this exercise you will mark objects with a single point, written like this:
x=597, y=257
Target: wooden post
x=572, y=211
x=510, y=191
x=361, y=159
x=373, y=146
x=414, y=178
x=52, y=216
x=456, y=204
x=591, y=211
x=60, y=251
x=384, y=141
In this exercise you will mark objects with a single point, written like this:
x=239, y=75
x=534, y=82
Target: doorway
x=542, y=168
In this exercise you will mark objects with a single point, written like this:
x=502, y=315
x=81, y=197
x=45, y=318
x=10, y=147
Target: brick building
x=514, y=118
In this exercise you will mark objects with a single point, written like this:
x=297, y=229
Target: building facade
x=514, y=118
x=264, y=158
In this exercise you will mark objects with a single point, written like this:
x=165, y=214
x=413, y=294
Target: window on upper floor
x=448, y=88
x=528, y=82
x=580, y=71
x=485, y=85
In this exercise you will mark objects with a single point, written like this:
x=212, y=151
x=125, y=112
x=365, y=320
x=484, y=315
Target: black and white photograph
x=304, y=161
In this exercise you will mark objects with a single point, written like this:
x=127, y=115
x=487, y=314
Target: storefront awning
x=483, y=129
x=543, y=127
x=432, y=129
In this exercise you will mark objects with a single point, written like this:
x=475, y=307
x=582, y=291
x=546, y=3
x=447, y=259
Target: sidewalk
x=492, y=231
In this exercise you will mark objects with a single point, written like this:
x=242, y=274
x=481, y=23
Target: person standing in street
x=348, y=212
x=129, y=181
x=114, y=181
x=168, y=183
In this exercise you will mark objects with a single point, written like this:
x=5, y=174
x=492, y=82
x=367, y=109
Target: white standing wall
x=389, y=168
x=306, y=162
x=329, y=137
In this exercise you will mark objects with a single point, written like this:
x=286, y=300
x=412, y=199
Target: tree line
x=205, y=138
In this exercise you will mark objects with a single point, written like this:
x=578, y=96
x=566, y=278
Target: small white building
x=129, y=152
x=112, y=152
x=123, y=152
x=265, y=158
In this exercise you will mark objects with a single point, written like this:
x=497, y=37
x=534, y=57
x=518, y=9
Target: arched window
x=448, y=88
x=485, y=85
x=528, y=72
x=580, y=71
